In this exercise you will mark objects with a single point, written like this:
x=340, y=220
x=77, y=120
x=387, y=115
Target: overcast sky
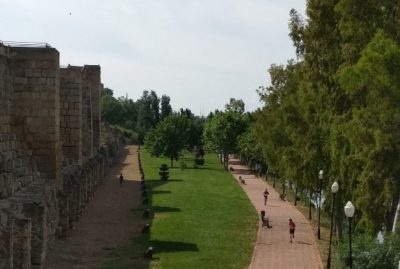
x=198, y=52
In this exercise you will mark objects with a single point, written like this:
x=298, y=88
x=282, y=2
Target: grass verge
x=202, y=219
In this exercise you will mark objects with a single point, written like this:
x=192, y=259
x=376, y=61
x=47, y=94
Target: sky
x=200, y=53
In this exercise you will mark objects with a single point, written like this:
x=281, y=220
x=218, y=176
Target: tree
x=111, y=109
x=166, y=108
x=169, y=137
x=148, y=113
x=222, y=131
x=235, y=105
x=129, y=113
x=373, y=87
x=107, y=91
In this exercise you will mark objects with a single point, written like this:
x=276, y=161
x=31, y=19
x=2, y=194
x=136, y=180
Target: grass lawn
x=202, y=219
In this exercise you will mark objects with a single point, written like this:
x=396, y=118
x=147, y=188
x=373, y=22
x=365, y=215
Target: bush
x=164, y=172
x=369, y=253
x=199, y=161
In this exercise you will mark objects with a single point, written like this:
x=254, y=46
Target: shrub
x=164, y=172
x=199, y=161
x=369, y=253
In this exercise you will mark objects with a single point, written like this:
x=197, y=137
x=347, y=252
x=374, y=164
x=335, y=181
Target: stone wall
x=52, y=156
x=71, y=112
x=90, y=110
x=36, y=105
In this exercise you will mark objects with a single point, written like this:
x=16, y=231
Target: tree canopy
x=336, y=107
x=169, y=137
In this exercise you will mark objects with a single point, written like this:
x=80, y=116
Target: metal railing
x=25, y=44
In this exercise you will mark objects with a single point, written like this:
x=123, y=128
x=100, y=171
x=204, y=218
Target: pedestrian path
x=273, y=249
x=108, y=222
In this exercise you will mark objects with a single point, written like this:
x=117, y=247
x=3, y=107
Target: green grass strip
x=203, y=219
x=208, y=221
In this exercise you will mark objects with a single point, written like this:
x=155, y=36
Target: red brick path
x=273, y=249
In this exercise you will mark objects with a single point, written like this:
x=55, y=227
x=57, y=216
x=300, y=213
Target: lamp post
x=320, y=177
x=334, y=189
x=349, y=211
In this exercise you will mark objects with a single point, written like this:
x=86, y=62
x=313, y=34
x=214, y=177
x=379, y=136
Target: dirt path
x=273, y=248
x=107, y=222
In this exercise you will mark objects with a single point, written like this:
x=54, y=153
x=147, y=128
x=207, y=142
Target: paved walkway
x=273, y=249
x=108, y=221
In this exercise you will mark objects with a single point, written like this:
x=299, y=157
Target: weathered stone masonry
x=53, y=152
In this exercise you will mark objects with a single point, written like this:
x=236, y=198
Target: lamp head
x=335, y=187
x=349, y=209
x=321, y=174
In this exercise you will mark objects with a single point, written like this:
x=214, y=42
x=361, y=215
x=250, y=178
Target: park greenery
x=137, y=116
x=334, y=108
x=169, y=137
x=201, y=219
x=221, y=132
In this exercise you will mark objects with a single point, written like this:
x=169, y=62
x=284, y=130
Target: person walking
x=121, y=179
x=292, y=228
x=266, y=193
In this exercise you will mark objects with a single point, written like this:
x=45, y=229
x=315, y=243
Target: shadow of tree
x=172, y=246
x=165, y=209
x=161, y=192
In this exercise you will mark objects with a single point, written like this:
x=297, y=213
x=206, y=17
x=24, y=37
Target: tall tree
x=373, y=86
x=111, y=108
x=166, y=108
x=169, y=137
x=148, y=113
x=235, y=105
x=222, y=131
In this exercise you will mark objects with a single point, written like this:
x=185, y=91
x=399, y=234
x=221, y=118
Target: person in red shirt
x=292, y=228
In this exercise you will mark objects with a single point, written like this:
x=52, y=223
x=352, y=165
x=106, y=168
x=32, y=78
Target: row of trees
x=183, y=130
x=337, y=107
x=138, y=116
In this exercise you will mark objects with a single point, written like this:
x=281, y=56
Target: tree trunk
x=295, y=196
x=309, y=206
x=226, y=159
x=396, y=215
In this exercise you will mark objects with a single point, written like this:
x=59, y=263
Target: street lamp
x=320, y=176
x=334, y=188
x=349, y=211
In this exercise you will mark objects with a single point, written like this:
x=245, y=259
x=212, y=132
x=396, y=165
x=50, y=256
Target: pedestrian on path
x=266, y=193
x=265, y=219
x=121, y=179
x=292, y=228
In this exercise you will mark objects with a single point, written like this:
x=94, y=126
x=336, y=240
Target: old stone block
x=6, y=245
x=21, y=80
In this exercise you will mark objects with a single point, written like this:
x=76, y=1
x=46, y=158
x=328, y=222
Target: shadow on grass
x=165, y=209
x=161, y=192
x=172, y=246
x=157, y=182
